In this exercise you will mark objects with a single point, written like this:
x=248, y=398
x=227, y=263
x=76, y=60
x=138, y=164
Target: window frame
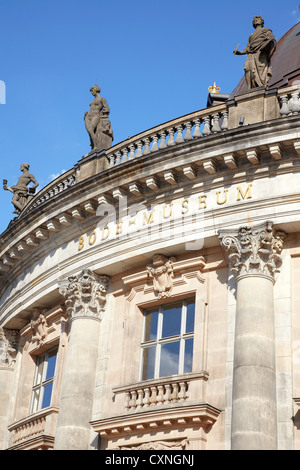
x=40, y=385
x=159, y=341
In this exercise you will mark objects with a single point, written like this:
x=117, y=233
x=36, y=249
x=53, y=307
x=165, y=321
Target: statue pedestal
x=91, y=164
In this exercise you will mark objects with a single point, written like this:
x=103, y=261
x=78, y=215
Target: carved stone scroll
x=85, y=294
x=161, y=271
x=254, y=250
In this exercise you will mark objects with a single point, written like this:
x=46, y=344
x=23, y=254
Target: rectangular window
x=168, y=337
x=43, y=381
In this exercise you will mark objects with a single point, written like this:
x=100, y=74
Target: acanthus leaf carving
x=254, y=250
x=85, y=294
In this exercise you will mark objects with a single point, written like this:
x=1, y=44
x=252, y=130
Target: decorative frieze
x=85, y=294
x=254, y=250
x=9, y=340
x=161, y=270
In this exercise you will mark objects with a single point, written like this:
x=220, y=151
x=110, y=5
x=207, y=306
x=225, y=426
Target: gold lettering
x=80, y=243
x=131, y=221
x=105, y=233
x=185, y=206
x=243, y=195
x=202, y=200
x=170, y=211
x=218, y=197
x=119, y=227
x=92, y=238
x=150, y=218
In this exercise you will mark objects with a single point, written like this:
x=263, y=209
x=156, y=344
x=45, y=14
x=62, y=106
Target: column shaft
x=254, y=422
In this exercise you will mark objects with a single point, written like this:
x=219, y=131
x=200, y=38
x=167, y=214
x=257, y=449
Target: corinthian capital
x=254, y=250
x=85, y=294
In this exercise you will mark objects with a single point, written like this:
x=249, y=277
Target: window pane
x=39, y=372
x=47, y=395
x=151, y=321
x=51, y=364
x=148, y=363
x=190, y=316
x=188, y=355
x=169, y=359
x=171, y=320
x=35, y=400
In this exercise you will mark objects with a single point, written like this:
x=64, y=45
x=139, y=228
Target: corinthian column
x=9, y=340
x=85, y=299
x=255, y=257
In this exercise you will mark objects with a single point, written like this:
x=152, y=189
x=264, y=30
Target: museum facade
x=149, y=295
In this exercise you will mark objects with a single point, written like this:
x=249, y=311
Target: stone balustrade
x=35, y=426
x=151, y=394
x=289, y=99
x=57, y=186
x=190, y=127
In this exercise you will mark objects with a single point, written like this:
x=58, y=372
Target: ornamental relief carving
x=9, y=340
x=254, y=250
x=39, y=326
x=161, y=271
x=158, y=445
x=85, y=294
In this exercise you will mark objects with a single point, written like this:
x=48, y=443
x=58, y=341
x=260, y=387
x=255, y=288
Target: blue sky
x=153, y=60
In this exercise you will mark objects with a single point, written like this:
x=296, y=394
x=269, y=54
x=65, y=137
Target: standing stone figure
x=97, y=123
x=261, y=46
x=22, y=194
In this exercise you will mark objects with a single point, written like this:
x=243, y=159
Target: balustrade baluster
x=168, y=393
x=284, y=109
x=132, y=150
x=216, y=126
x=147, y=146
x=118, y=158
x=197, y=132
x=146, y=401
x=179, y=138
x=295, y=103
x=160, y=397
x=125, y=154
x=133, y=399
x=175, y=392
x=162, y=144
x=140, y=399
x=153, y=395
x=182, y=392
x=154, y=147
x=171, y=141
x=111, y=159
x=224, y=125
x=188, y=134
x=139, y=152
x=206, y=130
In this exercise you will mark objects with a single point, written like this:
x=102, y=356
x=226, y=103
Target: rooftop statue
x=97, y=123
x=261, y=46
x=22, y=194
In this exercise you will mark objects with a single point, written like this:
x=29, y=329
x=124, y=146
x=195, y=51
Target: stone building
x=149, y=295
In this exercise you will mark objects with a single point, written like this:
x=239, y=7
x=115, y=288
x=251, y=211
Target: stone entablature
x=140, y=427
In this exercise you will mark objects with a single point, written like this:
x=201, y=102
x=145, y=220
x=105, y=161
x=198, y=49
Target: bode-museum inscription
x=178, y=216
